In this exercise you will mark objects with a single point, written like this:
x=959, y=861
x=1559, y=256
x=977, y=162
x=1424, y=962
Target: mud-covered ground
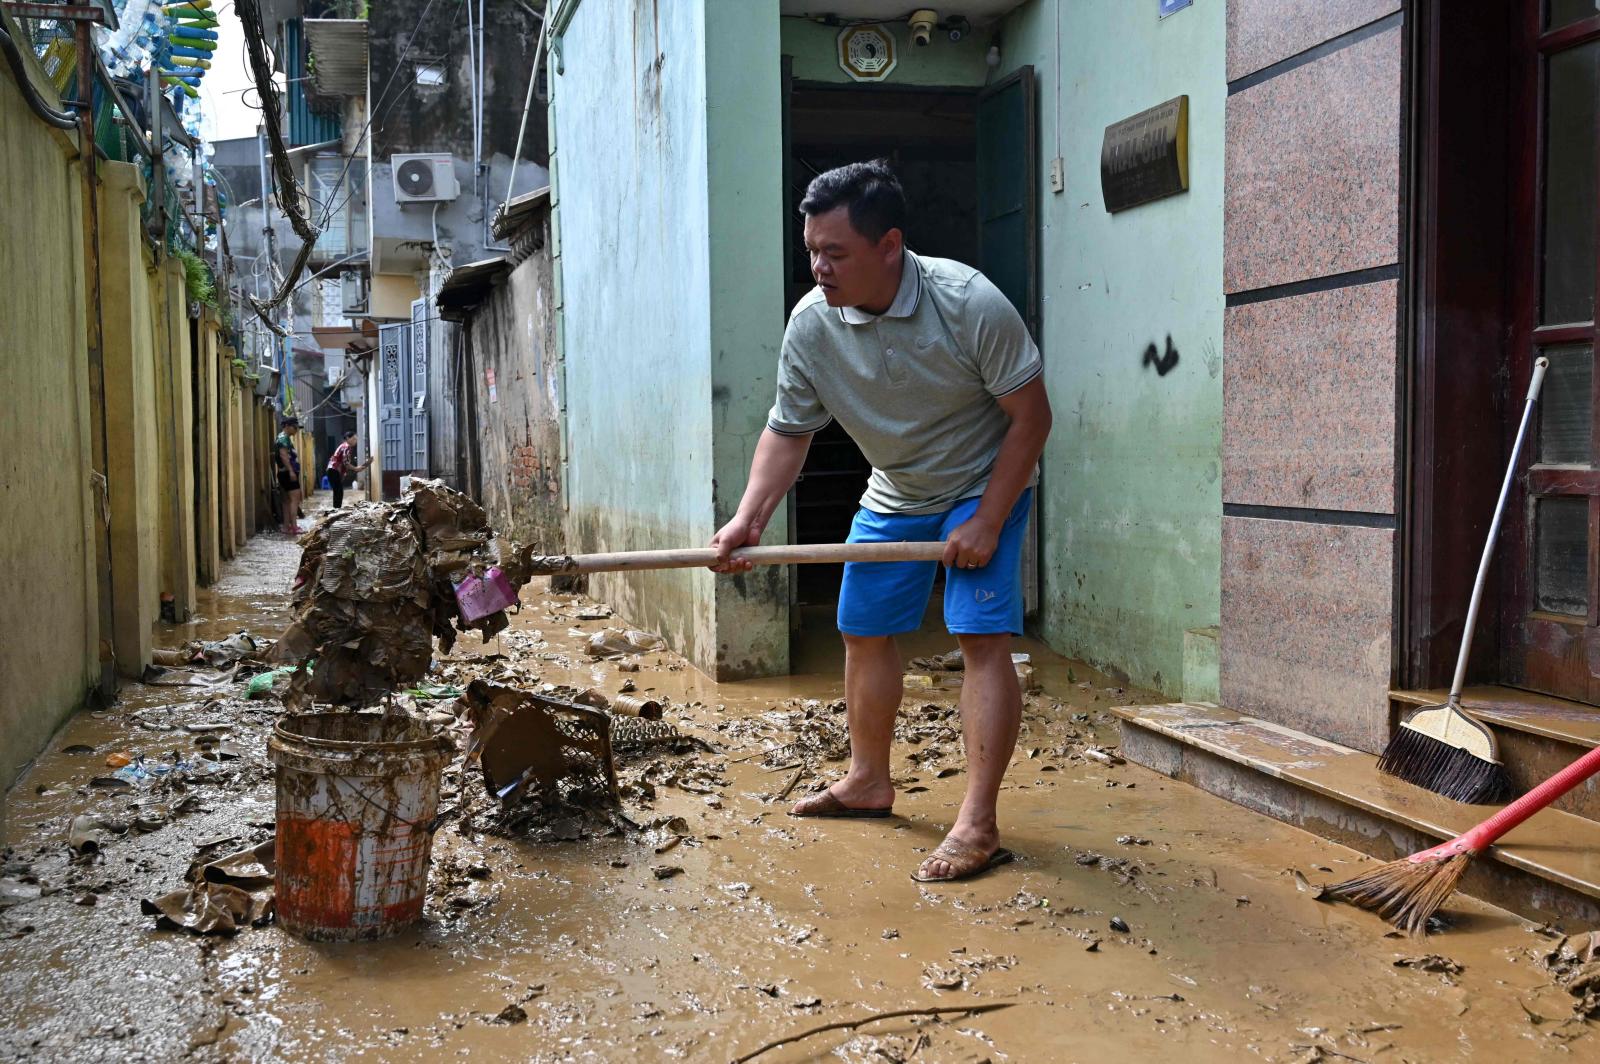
x=596, y=949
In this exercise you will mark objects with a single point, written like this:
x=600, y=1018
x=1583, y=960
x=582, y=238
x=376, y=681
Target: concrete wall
x=670, y=312
x=175, y=419
x=49, y=658
x=1311, y=272
x=518, y=439
x=207, y=373
x=426, y=118
x=130, y=298
x=1130, y=500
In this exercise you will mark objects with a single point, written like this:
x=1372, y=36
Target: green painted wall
x=49, y=658
x=1131, y=498
x=814, y=47
x=670, y=311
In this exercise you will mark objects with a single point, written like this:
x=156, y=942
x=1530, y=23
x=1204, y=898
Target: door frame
x=1454, y=315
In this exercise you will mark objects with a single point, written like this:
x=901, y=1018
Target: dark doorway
x=930, y=137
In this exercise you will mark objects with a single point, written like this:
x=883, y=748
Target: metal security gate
x=394, y=396
x=417, y=388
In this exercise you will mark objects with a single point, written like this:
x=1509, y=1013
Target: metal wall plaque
x=1146, y=157
x=1169, y=7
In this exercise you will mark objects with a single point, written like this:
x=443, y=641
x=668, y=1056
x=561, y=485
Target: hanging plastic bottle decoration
x=187, y=45
x=131, y=49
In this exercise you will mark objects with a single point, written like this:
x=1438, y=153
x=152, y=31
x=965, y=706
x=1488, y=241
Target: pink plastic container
x=477, y=598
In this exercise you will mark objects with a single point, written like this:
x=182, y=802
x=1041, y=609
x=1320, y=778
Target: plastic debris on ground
x=612, y=643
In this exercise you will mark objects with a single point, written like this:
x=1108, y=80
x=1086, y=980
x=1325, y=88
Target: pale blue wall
x=670, y=311
x=1131, y=500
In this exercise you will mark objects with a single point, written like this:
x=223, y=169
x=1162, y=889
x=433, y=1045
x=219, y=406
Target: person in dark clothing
x=342, y=465
x=286, y=463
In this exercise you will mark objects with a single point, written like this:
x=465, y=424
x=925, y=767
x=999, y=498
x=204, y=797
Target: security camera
x=922, y=22
x=957, y=27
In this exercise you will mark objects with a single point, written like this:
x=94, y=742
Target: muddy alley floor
x=1144, y=920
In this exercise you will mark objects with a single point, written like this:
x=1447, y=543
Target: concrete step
x=1538, y=735
x=1546, y=870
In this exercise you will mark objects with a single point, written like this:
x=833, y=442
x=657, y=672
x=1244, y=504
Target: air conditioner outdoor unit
x=352, y=292
x=429, y=178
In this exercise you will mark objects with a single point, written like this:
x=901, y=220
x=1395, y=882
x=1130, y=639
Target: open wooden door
x=1551, y=623
x=1008, y=231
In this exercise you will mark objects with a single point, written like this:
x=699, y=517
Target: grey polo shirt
x=915, y=386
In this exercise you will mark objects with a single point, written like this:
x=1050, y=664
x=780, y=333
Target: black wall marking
x=1164, y=363
x=1310, y=515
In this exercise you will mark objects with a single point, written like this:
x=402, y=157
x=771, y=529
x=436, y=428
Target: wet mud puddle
x=1144, y=920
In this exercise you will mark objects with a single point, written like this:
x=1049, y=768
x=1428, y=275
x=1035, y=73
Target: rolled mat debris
x=377, y=582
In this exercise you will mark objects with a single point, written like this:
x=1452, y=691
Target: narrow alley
x=1143, y=920
x=797, y=530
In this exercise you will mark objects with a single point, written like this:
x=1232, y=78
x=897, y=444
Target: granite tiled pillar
x=1308, y=400
x=1310, y=270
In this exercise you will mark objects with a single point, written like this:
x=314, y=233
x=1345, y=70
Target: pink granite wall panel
x=1306, y=630
x=1263, y=32
x=1309, y=400
x=1313, y=169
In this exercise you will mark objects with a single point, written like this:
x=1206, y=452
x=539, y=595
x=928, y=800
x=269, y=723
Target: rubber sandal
x=826, y=806
x=964, y=861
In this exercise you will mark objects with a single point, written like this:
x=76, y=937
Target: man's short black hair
x=870, y=190
x=349, y=433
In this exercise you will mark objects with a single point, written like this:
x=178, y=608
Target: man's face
x=849, y=268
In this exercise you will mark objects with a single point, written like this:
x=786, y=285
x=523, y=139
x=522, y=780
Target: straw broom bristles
x=1408, y=891
x=1405, y=892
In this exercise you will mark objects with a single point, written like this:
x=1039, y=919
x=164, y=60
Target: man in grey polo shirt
x=931, y=371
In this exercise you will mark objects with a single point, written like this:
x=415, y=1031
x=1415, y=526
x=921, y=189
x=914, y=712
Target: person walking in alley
x=287, y=461
x=342, y=464
x=932, y=372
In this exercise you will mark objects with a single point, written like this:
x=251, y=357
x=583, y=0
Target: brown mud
x=1144, y=920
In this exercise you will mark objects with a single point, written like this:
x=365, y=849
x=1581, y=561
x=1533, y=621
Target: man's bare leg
x=991, y=714
x=873, y=688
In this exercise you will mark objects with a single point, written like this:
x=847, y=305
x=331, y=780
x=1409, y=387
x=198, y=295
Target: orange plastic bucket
x=357, y=796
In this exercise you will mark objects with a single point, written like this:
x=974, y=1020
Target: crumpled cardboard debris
x=376, y=585
x=226, y=894
x=207, y=908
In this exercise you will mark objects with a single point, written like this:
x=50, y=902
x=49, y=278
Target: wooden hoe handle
x=698, y=557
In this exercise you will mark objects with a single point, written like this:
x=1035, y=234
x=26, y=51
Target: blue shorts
x=887, y=598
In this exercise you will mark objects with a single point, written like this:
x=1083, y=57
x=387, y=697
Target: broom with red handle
x=1407, y=892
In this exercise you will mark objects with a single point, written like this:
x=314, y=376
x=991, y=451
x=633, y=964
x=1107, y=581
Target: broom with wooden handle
x=1408, y=891
x=1440, y=747
x=699, y=557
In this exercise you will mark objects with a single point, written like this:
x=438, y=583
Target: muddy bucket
x=357, y=795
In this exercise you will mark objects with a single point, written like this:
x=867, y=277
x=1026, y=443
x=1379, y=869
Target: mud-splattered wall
x=666, y=148
x=48, y=658
x=512, y=408
x=1130, y=501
